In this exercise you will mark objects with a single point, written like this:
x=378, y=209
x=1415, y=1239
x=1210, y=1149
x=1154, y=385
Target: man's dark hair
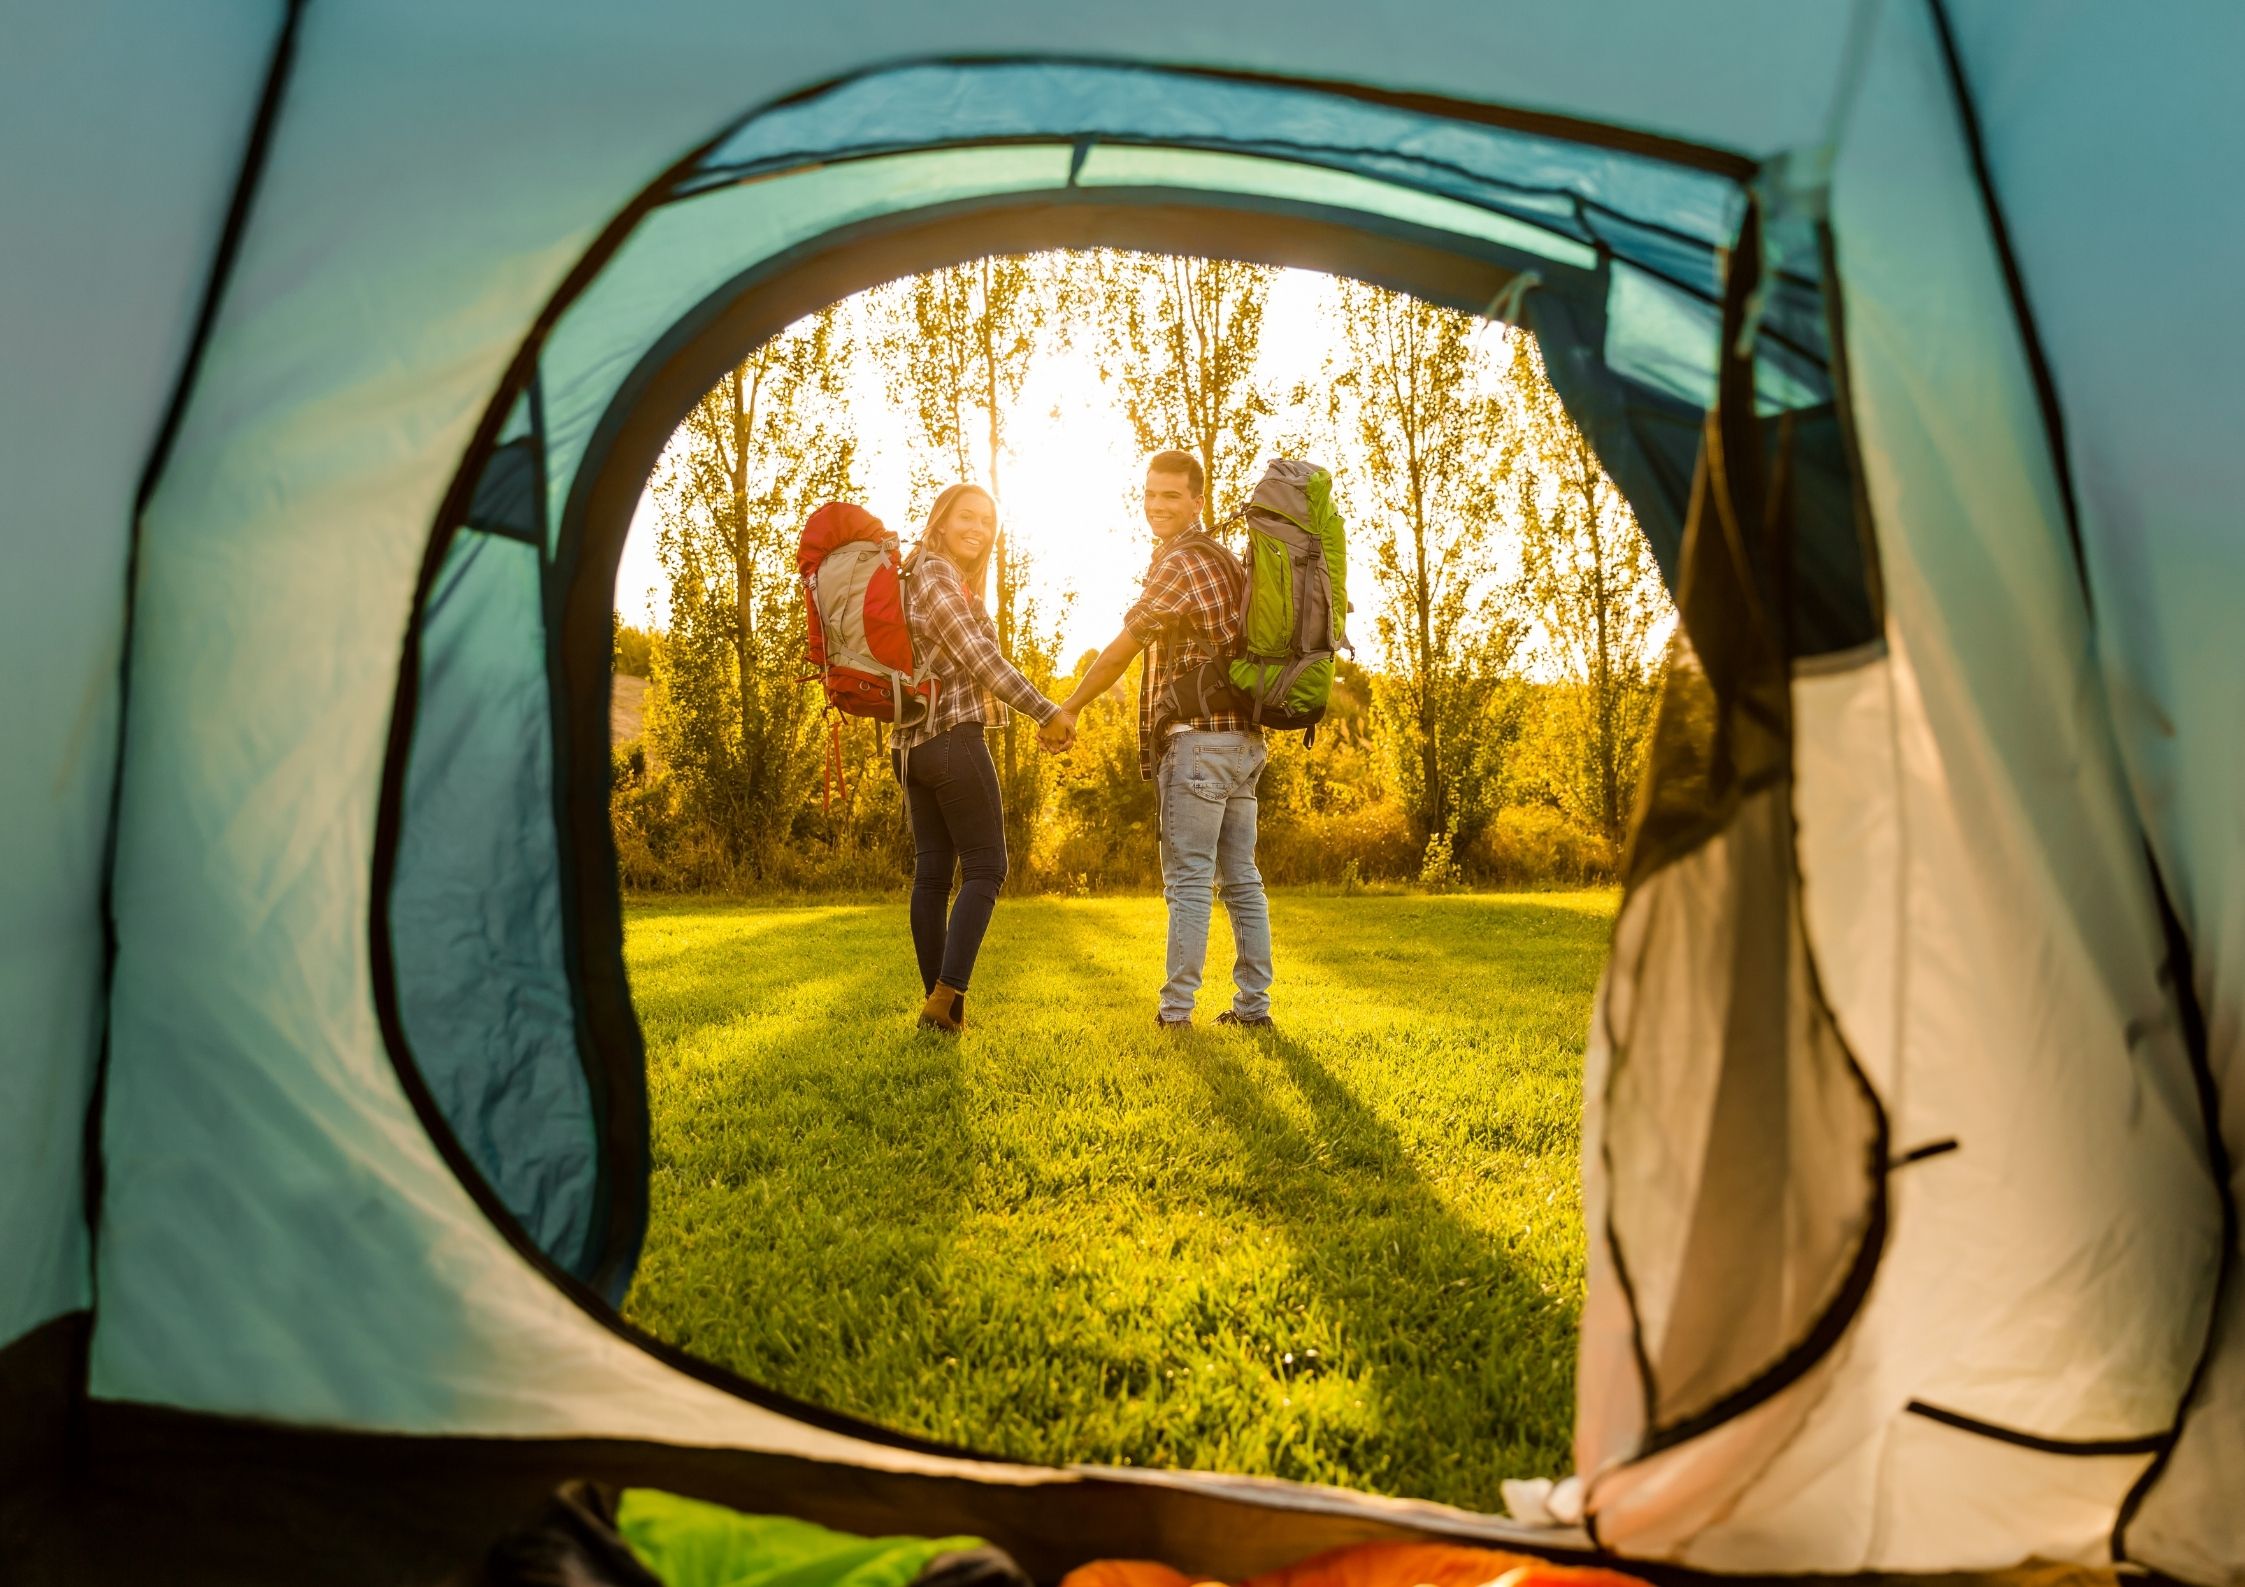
x=1174, y=462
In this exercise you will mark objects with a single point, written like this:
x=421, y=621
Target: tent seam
x=2015, y=286
x=1535, y=123
x=248, y=180
x=2041, y=1443
x=2180, y=958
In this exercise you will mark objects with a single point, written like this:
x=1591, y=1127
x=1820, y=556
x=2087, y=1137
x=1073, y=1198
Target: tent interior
x=349, y=336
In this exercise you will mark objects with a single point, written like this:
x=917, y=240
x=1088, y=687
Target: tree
x=633, y=649
x=729, y=710
x=1597, y=596
x=1182, y=336
x=1407, y=387
x=956, y=345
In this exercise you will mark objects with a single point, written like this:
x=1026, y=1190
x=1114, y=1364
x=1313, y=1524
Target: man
x=1203, y=760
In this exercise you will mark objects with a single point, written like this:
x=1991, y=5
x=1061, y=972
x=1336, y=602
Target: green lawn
x=1350, y=1253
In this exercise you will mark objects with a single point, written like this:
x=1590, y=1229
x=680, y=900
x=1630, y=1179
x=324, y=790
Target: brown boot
x=941, y=1010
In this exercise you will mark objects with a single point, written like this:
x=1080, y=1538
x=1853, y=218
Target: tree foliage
x=1418, y=435
x=1492, y=733
x=1181, y=339
x=730, y=714
x=634, y=648
x=1596, y=595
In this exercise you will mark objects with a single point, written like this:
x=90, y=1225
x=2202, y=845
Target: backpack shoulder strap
x=1202, y=540
x=1234, y=573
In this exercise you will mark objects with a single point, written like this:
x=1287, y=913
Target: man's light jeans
x=1206, y=782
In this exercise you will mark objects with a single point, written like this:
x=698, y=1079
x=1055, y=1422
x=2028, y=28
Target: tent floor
x=93, y=1493
x=241, y=1524
x=188, y=1499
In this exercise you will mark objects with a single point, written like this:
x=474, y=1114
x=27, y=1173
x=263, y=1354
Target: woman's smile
x=971, y=526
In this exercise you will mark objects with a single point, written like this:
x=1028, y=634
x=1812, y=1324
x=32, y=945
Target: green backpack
x=1294, y=603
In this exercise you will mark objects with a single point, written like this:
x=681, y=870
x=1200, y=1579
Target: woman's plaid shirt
x=954, y=639
x=1187, y=613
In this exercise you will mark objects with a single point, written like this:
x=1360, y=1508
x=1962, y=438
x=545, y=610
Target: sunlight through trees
x=1508, y=615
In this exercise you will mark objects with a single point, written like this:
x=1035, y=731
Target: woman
x=950, y=785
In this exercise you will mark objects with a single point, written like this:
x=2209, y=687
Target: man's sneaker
x=1172, y=1026
x=1232, y=1016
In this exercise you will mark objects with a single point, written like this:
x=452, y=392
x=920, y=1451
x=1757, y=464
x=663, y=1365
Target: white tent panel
x=1946, y=1483
x=2116, y=155
x=2115, y=149
x=2049, y=1030
x=124, y=126
x=2050, y=1274
x=2189, y=1524
x=2047, y=1276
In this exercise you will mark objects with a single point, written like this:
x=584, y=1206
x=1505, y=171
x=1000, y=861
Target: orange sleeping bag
x=1372, y=1565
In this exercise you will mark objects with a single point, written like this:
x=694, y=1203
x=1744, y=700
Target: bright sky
x=1068, y=480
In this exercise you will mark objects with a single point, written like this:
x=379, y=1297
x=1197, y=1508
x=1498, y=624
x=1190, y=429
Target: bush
x=1372, y=843
x=1073, y=859
x=1439, y=870
x=1536, y=846
x=1087, y=844
x=844, y=867
x=634, y=649
x=662, y=849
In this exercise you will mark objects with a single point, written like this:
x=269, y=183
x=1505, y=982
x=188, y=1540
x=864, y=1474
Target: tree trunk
x=1602, y=677
x=752, y=746
x=1434, y=795
x=1000, y=552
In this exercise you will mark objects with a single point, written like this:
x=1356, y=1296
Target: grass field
x=1350, y=1253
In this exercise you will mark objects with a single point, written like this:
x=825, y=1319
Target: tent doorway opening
x=1656, y=306
x=1342, y=1252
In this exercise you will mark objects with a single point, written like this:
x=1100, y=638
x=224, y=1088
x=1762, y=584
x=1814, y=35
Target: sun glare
x=1068, y=477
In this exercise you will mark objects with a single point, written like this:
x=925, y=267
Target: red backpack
x=853, y=601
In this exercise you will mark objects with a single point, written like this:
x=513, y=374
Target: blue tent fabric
x=1664, y=211
x=95, y=336
x=317, y=1216
x=490, y=1016
x=476, y=911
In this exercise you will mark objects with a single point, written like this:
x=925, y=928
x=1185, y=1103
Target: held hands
x=1058, y=734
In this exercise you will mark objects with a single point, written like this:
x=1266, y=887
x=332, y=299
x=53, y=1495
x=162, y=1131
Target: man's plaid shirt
x=1186, y=614
x=953, y=638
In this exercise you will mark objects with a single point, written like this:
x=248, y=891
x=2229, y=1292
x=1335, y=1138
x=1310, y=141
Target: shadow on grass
x=811, y=1163
x=1449, y=1328
x=1529, y=969
x=1463, y=1346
